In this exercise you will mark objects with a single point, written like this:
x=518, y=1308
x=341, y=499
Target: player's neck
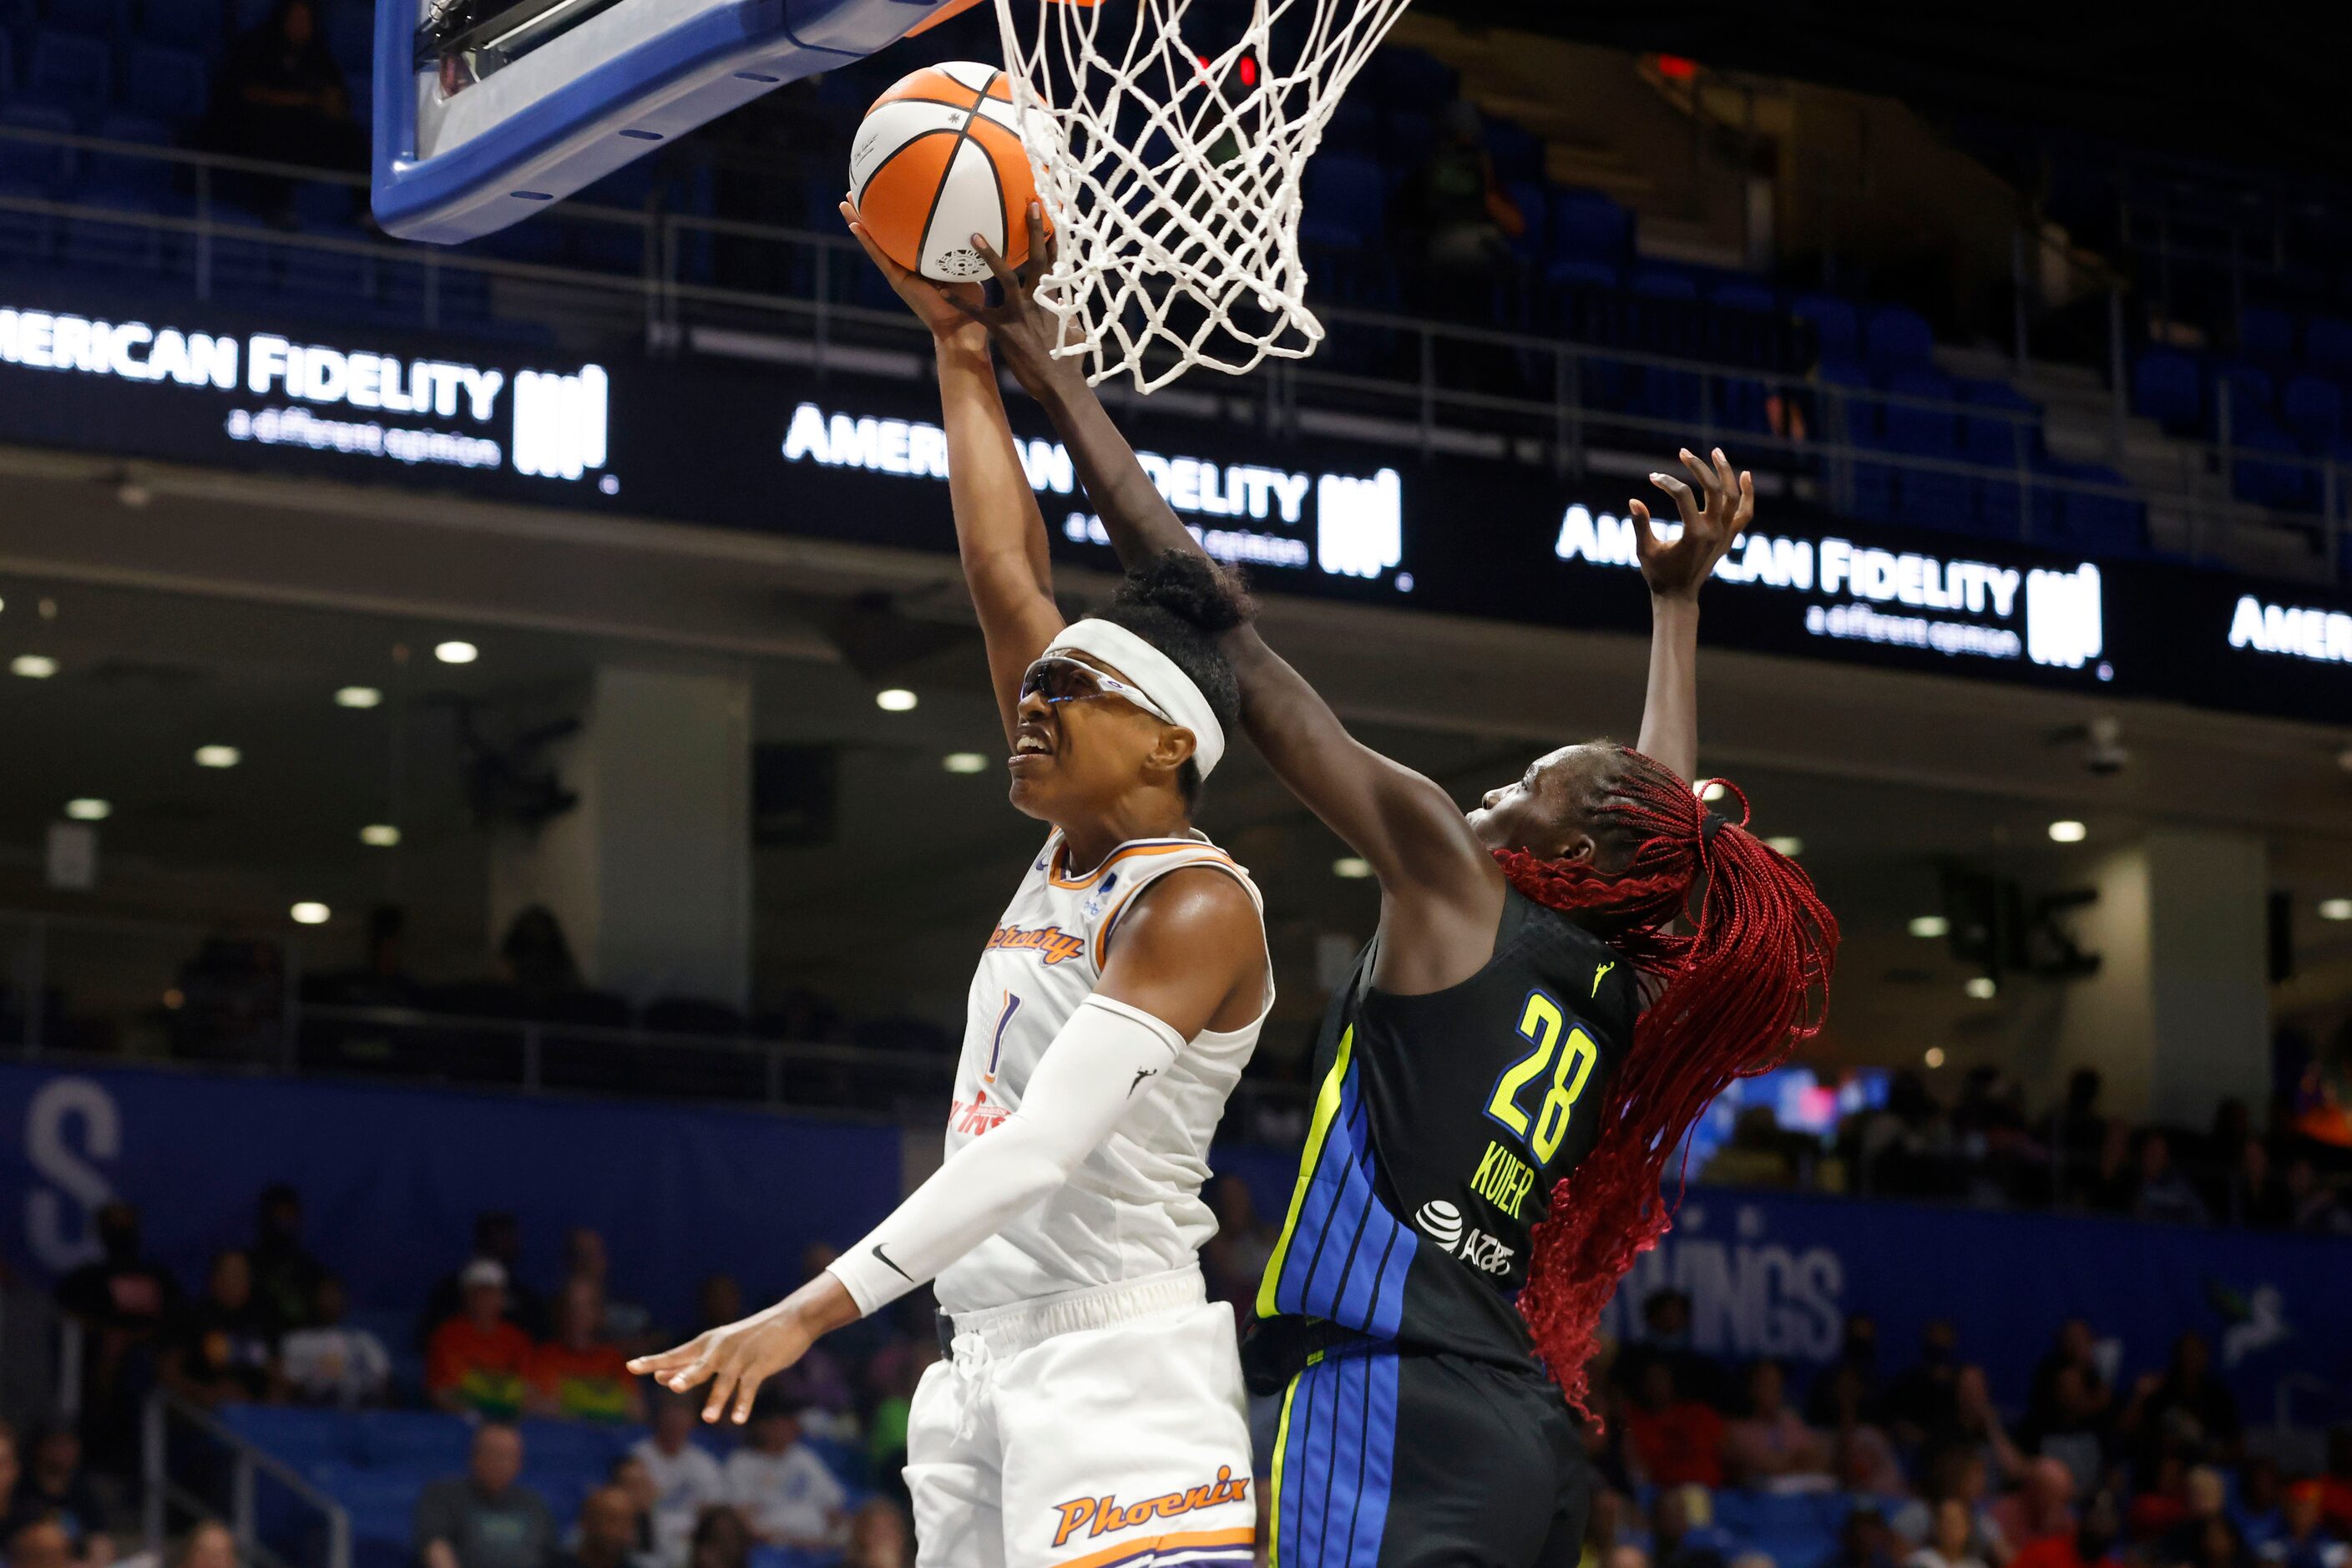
x=1088, y=843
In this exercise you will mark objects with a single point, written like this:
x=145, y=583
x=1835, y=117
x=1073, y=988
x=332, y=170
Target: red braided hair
x=1731, y=997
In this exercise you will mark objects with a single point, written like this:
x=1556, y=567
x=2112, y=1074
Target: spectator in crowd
x=818, y=1384
x=1754, y=1156
x=285, y=1275
x=721, y=1540
x=2096, y=1543
x=627, y=1324
x=332, y=1362
x=2069, y=1395
x=1450, y=219
x=2335, y=1486
x=2306, y=1541
x=1771, y=1446
x=607, y=1535
x=52, y=1486
x=2042, y=1505
x=2186, y=1405
x=2215, y=1546
x=579, y=1374
x=536, y=959
x=1666, y=1336
x=1679, y=1537
x=210, y=1544
x=1955, y=1472
x=1861, y=1454
x=636, y=1484
x=2115, y=1185
x=2076, y=1134
x=785, y=1492
x=222, y=1351
x=2163, y=1193
x=2207, y=1497
x=879, y=1537
x=1923, y=1399
x=280, y=96
x=123, y=1302
x=714, y=1298
x=2255, y=1195
x=1951, y=1541
x=1863, y=1542
x=1236, y=1257
x=11, y=1470
x=1975, y=1421
x=1673, y=1440
x=498, y=1239
x=383, y=981
x=2259, y=1509
x=1833, y=1388
x=485, y=1518
x=477, y=1360
x=686, y=1479
x=43, y=1543
x=892, y=1374
x=2315, y=1207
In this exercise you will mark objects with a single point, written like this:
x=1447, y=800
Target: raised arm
x=1409, y=830
x=1713, y=519
x=1000, y=535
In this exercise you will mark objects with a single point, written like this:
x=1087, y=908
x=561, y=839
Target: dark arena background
x=498, y=781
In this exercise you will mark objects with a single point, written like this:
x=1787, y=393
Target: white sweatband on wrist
x=1155, y=675
x=1082, y=1086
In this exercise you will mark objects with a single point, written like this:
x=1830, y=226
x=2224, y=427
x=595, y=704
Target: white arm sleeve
x=1083, y=1084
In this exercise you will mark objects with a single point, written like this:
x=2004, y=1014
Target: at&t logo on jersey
x=1442, y=1221
x=1050, y=943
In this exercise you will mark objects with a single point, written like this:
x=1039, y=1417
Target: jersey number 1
x=1541, y=1022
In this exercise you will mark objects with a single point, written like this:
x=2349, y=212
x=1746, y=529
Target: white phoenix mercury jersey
x=1133, y=1206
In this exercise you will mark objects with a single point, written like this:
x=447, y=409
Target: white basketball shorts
x=1101, y=1429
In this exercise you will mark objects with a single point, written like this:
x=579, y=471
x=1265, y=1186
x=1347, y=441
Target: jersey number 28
x=1570, y=1062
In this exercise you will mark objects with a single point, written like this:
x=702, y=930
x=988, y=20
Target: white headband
x=1155, y=675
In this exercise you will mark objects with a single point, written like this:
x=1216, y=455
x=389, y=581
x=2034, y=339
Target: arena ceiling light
x=218, y=756
x=380, y=835
x=2066, y=830
x=89, y=808
x=1787, y=844
x=309, y=912
x=456, y=651
x=896, y=700
x=1930, y=926
x=965, y=762
x=1983, y=987
x=357, y=697
x=1935, y=1056
x=1351, y=868
x=33, y=666
x=1712, y=790
x=2335, y=909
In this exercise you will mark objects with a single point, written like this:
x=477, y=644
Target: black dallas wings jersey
x=1441, y=1123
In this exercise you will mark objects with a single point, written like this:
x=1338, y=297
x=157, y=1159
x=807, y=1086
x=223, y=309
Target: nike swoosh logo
x=1140, y=1074
x=890, y=1265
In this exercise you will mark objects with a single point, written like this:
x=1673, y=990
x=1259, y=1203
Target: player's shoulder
x=1192, y=907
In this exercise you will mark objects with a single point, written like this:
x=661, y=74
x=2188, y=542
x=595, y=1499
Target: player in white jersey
x=1091, y=1412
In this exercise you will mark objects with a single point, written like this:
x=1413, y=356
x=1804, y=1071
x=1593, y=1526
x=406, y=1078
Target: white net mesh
x=1171, y=141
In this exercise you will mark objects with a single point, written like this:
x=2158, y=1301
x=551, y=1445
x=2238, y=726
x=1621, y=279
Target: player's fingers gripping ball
x=936, y=159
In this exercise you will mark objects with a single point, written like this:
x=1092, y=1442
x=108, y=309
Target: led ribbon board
x=532, y=100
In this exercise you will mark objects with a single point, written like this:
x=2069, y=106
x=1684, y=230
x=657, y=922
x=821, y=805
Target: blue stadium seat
x=1581, y=272
x=68, y=71
x=165, y=83
x=1518, y=153
x=1354, y=128
x=1739, y=294
x=2166, y=388
x=1661, y=280
x=1407, y=139
x=2097, y=523
x=2285, y=484
x=1588, y=226
x=40, y=168
x=1408, y=79
x=1837, y=337
x=2266, y=337
x=1898, y=339
x=301, y=1436
x=1346, y=202
x=1527, y=195
x=2327, y=346
x=2248, y=390
x=2313, y=411
x=137, y=187
x=1993, y=436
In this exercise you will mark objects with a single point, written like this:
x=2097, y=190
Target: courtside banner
x=861, y=458
x=392, y=1178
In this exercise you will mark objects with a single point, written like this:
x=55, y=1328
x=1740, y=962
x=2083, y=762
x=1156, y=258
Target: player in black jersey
x=1560, y=982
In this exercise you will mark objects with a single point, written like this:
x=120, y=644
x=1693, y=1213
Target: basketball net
x=1170, y=164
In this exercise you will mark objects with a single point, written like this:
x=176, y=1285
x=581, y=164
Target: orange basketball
x=937, y=160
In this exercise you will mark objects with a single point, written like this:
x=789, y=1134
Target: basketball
x=936, y=159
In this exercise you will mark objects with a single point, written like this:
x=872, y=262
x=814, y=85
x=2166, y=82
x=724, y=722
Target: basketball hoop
x=1170, y=138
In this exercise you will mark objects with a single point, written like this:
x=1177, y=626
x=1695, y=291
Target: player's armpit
x=1190, y=951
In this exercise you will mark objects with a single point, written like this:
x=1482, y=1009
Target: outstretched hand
x=942, y=307
x=1677, y=569
x=1023, y=332
x=734, y=1360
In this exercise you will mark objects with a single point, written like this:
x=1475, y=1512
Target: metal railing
x=197, y=1488
x=1463, y=389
